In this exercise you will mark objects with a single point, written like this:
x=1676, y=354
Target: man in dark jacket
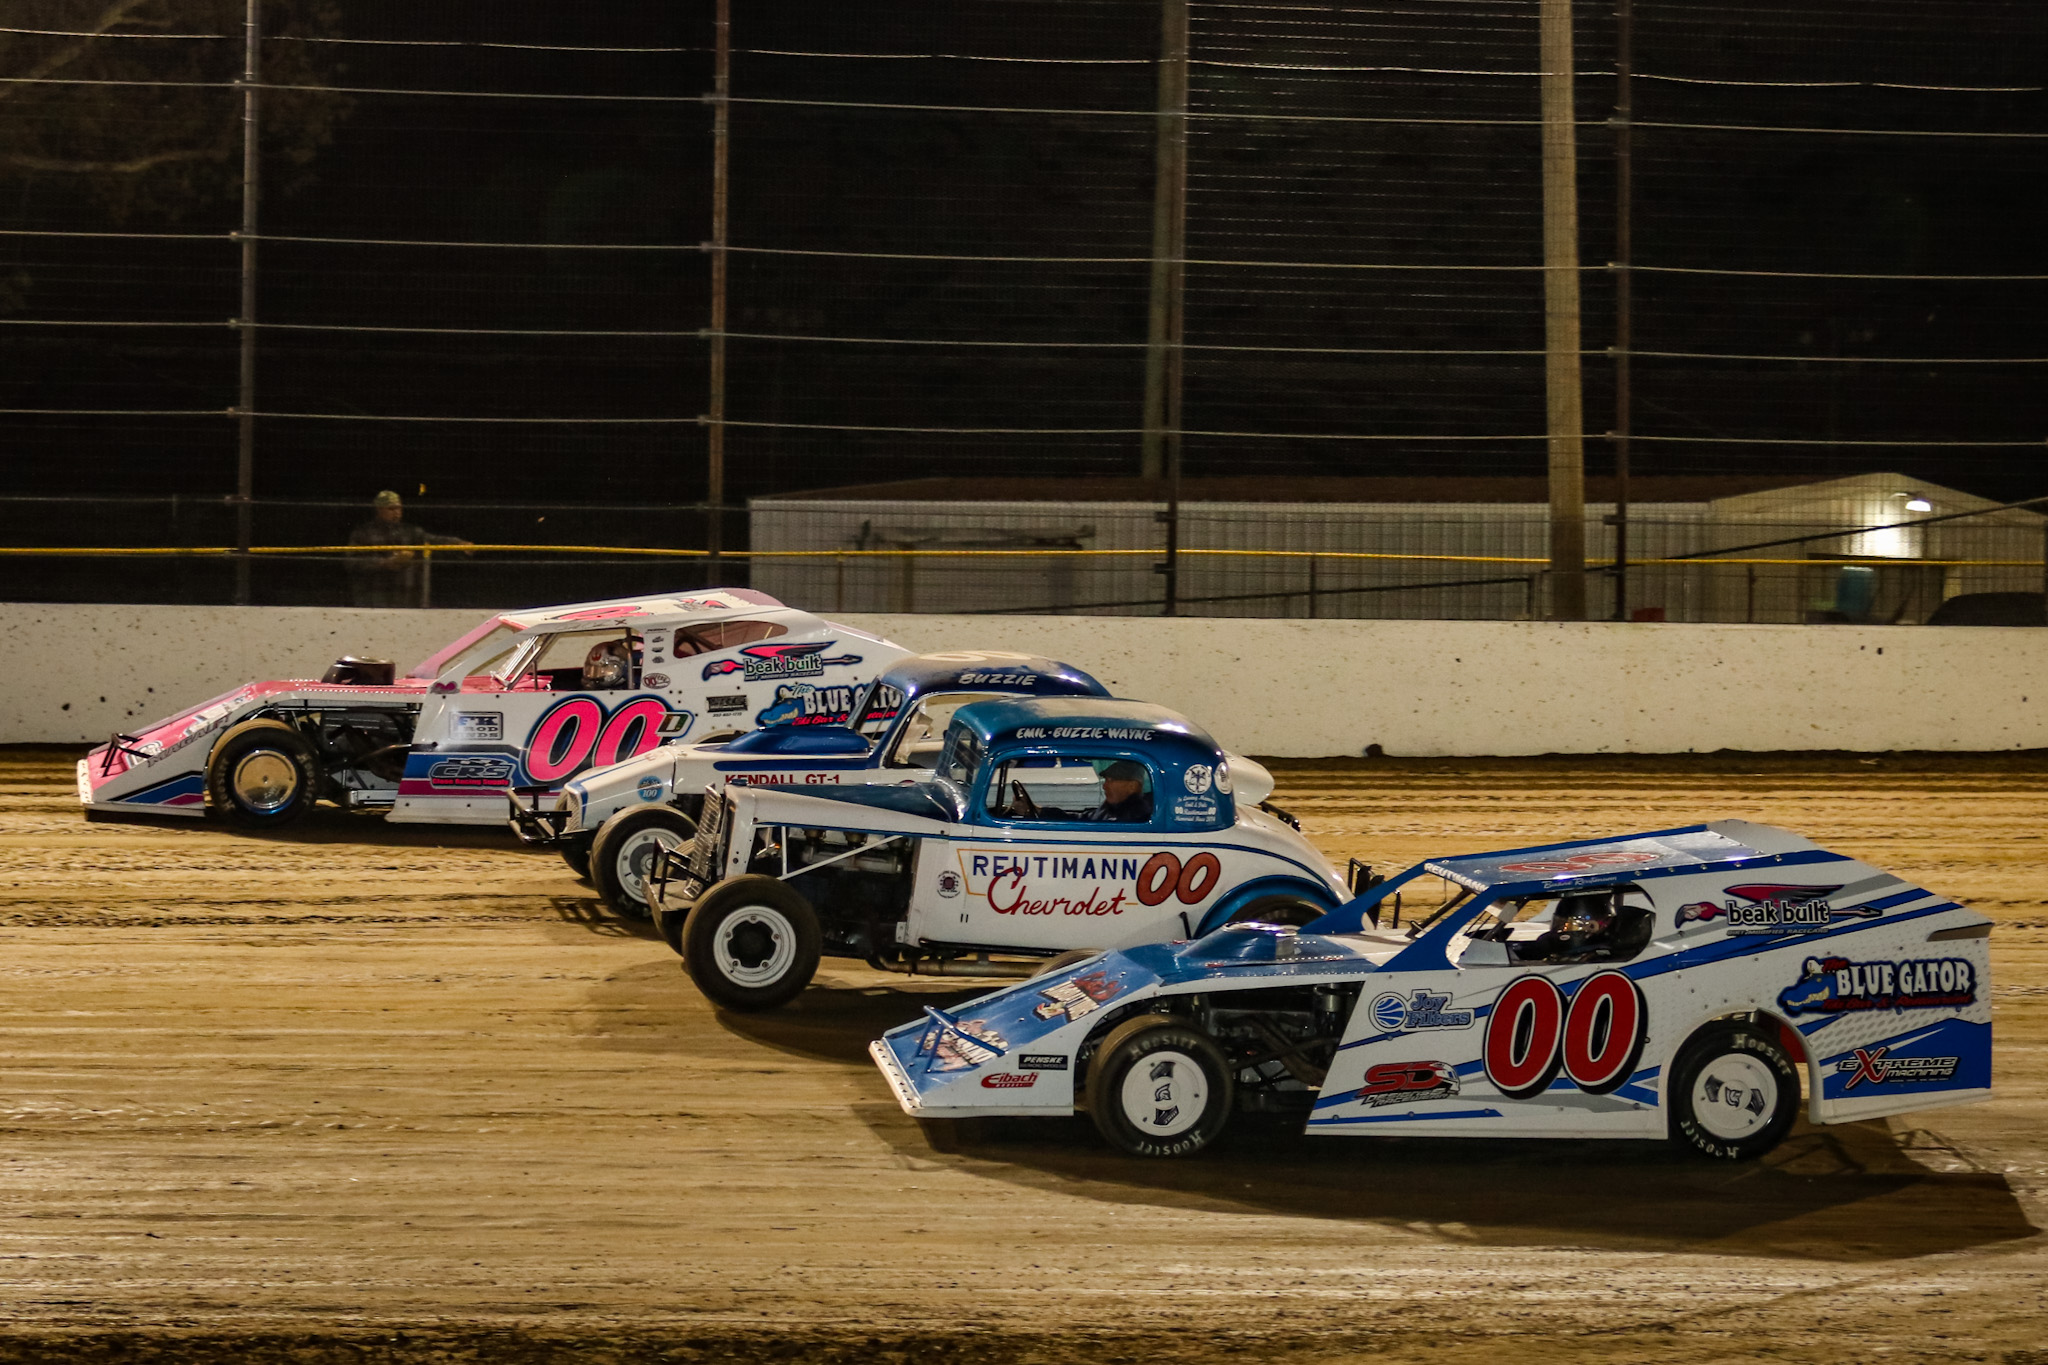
x=394, y=579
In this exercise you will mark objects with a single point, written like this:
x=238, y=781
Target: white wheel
x=1165, y=1094
x=625, y=855
x=754, y=946
x=1735, y=1096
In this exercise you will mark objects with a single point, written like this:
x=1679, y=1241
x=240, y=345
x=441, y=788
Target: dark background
x=1295, y=201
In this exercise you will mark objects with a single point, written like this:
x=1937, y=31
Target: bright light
x=1919, y=505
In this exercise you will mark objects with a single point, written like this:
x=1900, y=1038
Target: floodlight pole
x=1160, y=453
x=1624, y=286
x=721, y=159
x=1561, y=316
x=245, y=401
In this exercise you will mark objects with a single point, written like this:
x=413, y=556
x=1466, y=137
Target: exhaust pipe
x=978, y=965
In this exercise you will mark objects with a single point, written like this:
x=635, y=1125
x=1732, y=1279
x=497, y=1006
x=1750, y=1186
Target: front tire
x=262, y=775
x=576, y=853
x=1734, y=1093
x=623, y=858
x=1159, y=1087
x=751, y=943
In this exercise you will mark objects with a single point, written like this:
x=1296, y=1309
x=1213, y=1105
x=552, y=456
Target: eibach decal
x=1532, y=1035
x=1407, y=1083
x=1837, y=985
x=578, y=733
x=762, y=663
x=1772, y=908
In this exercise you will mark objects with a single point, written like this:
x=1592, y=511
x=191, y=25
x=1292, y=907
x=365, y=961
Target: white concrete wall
x=1289, y=688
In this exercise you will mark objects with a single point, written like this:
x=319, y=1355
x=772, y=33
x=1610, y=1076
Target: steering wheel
x=1021, y=802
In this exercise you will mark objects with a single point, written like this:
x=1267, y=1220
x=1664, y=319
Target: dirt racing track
x=362, y=1093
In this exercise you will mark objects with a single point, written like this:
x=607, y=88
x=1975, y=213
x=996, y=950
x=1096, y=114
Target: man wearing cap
x=1124, y=799
x=389, y=580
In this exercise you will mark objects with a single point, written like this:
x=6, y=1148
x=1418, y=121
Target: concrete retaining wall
x=1288, y=688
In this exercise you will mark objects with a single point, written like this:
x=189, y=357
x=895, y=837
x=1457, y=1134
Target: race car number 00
x=1164, y=875
x=577, y=732
x=1596, y=1042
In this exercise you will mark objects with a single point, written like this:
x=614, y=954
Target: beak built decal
x=760, y=663
x=1772, y=908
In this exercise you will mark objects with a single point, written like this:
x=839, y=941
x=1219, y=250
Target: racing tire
x=1292, y=911
x=1159, y=1087
x=262, y=775
x=1066, y=960
x=576, y=853
x=1734, y=1093
x=751, y=943
x=622, y=856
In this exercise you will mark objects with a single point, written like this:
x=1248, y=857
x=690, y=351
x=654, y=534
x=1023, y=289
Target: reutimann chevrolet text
x=528, y=700
x=1048, y=825
x=1680, y=984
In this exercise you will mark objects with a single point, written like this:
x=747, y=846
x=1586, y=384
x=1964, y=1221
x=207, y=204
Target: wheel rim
x=637, y=859
x=265, y=781
x=1164, y=1093
x=1735, y=1096
x=755, y=946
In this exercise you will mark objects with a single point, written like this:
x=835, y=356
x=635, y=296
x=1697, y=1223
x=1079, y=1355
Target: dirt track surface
x=370, y=1093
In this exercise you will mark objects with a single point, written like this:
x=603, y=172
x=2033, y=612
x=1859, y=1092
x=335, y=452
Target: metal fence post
x=245, y=402
x=721, y=160
x=1561, y=315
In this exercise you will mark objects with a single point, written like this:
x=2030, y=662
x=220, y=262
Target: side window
x=1612, y=924
x=962, y=757
x=1059, y=789
x=918, y=742
x=716, y=635
x=588, y=661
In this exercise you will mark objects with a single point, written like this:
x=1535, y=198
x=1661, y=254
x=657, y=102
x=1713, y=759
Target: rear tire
x=1733, y=1093
x=1066, y=960
x=751, y=943
x=622, y=858
x=1159, y=1087
x=262, y=775
x=576, y=854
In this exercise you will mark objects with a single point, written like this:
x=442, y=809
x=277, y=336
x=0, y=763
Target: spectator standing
x=390, y=580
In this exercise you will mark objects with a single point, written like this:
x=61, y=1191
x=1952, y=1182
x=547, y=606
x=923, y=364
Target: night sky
x=1306, y=183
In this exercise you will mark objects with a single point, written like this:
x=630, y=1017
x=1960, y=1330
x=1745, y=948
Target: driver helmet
x=1584, y=914
x=605, y=665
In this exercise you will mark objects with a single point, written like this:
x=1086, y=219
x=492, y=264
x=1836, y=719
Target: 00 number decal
x=577, y=731
x=1532, y=1035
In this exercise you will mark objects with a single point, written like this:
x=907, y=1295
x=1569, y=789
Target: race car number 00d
x=1596, y=1041
x=578, y=730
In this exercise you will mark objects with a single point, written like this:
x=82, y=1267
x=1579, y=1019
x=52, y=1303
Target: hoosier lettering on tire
x=1159, y=1087
x=1733, y=1093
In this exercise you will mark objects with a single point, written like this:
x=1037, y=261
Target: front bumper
x=899, y=1083
x=537, y=827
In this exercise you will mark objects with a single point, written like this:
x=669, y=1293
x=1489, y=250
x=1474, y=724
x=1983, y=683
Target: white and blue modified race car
x=1674, y=984
x=1049, y=825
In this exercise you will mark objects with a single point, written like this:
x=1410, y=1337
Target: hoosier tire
x=262, y=775
x=622, y=856
x=1159, y=1087
x=751, y=943
x=1734, y=1093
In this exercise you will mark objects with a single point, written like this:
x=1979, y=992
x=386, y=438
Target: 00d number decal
x=1532, y=1035
x=573, y=733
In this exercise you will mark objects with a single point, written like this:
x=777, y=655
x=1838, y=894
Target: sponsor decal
x=762, y=663
x=1581, y=862
x=577, y=733
x=1078, y=998
x=1419, y=1010
x=949, y=883
x=1531, y=1035
x=1008, y=1080
x=1087, y=883
x=960, y=1047
x=807, y=704
x=1043, y=1061
x=1837, y=985
x=206, y=719
x=479, y=727
x=655, y=680
x=1771, y=908
x=1196, y=778
x=650, y=789
x=720, y=705
x=472, y=770
x=703, y=604
x=999, y=679
x=600, y=613
x=1872, y=1065
x=1734, y=1096
x=1407, y=1083
x=1195, y=808
x=783, y=779
x=1080, y=732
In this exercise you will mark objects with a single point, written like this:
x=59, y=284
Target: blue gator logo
x=807, y=704
x=1836, y=985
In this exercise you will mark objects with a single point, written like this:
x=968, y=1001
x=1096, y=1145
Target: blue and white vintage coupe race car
x=1678, y=983
x=612, y=823
x=1050, y=824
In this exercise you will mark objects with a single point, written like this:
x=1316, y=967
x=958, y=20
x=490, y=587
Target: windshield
x=918, y=744
x=489, y=653
x=1429, y=898
x=962, y=756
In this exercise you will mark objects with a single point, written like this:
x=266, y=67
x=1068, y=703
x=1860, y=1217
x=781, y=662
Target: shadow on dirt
x=1853, y=1192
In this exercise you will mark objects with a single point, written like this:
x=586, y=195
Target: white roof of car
x=660, y=610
